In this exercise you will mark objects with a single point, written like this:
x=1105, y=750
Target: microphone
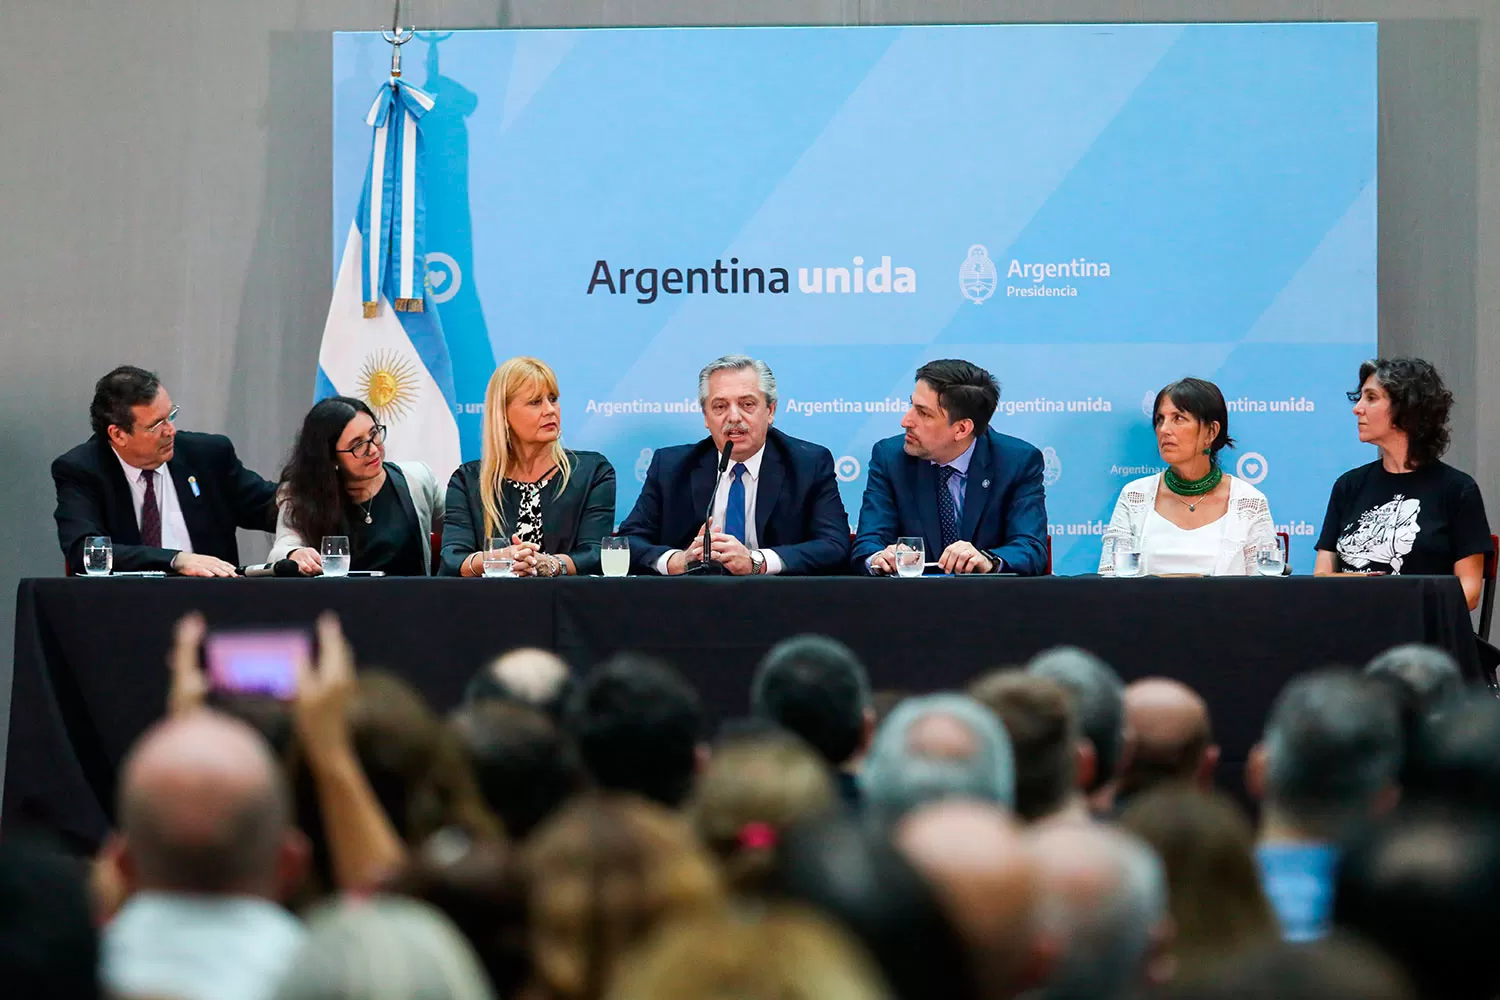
x=707, y=567
x=281, y=567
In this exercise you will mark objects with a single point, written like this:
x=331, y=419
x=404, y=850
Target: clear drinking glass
x=335, y=555
x=496, y=562
x=614, y=555
x=1127, y=557
x=98, y=555
x=911, y=553
x=1270, y=556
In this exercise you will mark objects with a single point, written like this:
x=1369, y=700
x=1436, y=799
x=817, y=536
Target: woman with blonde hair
x=603, y=874
x=752, y=789
x=786, y=954
x=552, y=504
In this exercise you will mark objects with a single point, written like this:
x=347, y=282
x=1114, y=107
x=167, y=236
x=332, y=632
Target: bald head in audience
x=528, y=676
x=1170, y=735
x=978, y=859
x=204, y=809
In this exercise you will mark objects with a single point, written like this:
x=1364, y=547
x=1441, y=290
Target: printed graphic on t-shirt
x=1383, y=536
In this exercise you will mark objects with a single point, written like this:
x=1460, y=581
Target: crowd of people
x=1050, y=833
x=948, y=494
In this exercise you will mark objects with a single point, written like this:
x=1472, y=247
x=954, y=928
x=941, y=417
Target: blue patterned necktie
x=947, y=509
x=734, y=512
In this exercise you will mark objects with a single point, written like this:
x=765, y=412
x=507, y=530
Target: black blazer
x=93, y=498
x=573, y=522
x=797, y=507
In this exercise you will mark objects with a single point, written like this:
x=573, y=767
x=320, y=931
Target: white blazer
x=426, y=500
x=1247, y=521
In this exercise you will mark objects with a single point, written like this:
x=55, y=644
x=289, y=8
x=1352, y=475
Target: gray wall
x=165, y=200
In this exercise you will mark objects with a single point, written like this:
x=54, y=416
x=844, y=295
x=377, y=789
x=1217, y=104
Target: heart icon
x=437, y=279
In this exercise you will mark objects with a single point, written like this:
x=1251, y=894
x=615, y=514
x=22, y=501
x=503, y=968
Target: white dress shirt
x=174, y=533
x=751, y=481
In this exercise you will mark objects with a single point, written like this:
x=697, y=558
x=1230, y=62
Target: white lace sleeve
x=1255, y=513
x=1121, y=522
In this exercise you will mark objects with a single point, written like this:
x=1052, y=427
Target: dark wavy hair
x=314, y=492
x=1203, y=400
x=1420, y=404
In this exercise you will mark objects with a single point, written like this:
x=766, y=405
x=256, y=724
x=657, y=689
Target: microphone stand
x=708, y=567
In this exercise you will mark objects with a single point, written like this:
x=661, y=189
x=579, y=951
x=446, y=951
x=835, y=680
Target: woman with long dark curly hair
x=337, y=482
x=1406, y=512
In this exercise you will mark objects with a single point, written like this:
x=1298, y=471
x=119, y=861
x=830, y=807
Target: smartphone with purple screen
x=256, y=662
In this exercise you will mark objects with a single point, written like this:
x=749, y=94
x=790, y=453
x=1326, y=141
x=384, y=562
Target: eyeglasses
x=365, y=447
x=161, y=424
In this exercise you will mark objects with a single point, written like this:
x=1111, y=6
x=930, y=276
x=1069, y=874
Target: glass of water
x=1127, y=558
x=1270, y=556
x=496, y=562
x=911, y=553
x=335, y=555
x=98, y=555
x=614, y=555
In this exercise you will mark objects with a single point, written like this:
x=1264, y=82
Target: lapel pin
x=193, y=484
x=985, y=484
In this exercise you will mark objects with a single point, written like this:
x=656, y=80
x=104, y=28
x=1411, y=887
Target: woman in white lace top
x=1193, y=517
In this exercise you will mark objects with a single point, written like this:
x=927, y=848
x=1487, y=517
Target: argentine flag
x=383, y=341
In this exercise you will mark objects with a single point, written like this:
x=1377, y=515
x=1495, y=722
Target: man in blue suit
x=776, y=507
x=974, y=495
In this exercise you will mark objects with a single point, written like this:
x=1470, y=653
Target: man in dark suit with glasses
x=167, y=499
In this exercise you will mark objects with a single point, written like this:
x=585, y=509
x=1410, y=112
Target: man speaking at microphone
x=775, y=506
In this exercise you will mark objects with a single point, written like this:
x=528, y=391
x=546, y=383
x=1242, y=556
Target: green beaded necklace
x=1193, y=487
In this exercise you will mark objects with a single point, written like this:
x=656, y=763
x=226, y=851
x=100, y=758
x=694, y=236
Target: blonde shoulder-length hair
x=512, y=380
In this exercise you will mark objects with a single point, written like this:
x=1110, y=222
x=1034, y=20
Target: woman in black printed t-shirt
x=1406, y=513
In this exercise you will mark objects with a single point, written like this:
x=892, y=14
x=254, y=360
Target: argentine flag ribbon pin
x=193, y=483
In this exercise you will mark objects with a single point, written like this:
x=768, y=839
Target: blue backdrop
x=1088, y=211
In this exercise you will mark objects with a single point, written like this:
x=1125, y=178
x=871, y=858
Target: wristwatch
x=757, y=561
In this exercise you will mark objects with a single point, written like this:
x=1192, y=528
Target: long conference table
x=90, y=670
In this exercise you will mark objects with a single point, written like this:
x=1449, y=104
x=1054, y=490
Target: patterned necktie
x=734, y=511
x=150, y=513
x=947, y=509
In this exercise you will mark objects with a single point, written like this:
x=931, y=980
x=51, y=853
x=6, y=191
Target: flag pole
x=397, y=37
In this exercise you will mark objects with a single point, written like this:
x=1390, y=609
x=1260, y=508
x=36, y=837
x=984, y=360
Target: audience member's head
x=526, y=676
x=752, y=790
x=477, y=885
x=936, y=747
x=1425, y=888
x=851, y=872
x=985, y=871
x=1098, y=697
x=1043, y=728
x=49, y=948
x=1338, y=968
x=637, y=724
x=816, y=687
x=1455, y=761
x=1106, y=908
x=382, y=949
x=603, y=873
x=784, y=954
x=204, y=809
x=1171, y=739
x=1330, y=756
x=1431, y=673
x=414, y=763
x=524, y=764
x=1213, y=886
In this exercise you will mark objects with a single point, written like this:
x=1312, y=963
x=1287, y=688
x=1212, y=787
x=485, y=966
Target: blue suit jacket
x=797, y=507
x=1005, y=503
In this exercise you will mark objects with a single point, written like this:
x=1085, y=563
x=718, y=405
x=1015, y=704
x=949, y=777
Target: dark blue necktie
x=947, y=509
x=734, y=512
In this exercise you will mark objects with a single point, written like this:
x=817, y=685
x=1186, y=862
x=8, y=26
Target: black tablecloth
x=90, y=674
